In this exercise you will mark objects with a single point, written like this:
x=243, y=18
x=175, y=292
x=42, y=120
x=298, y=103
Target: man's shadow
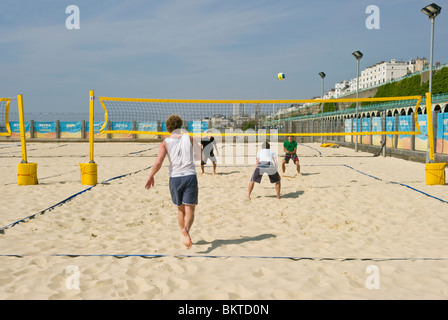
x=227, y=173
x=223, y=242
x=291, y=195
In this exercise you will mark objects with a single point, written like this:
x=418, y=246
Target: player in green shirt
x=290, y=149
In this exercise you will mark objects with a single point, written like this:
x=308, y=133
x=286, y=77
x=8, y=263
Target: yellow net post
x=27, y=172
x=22, y=128
x=89, y=171
x=91, y=125
x=430, y=127
x=435, y=172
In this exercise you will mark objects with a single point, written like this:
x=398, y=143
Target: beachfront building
x=329, y=95
x=341, y=89
x=220, y=122
x=417, y=65
x=382, y=73
x=238, y=109
x=257, y=112
x=377, y=74
x=344, y=87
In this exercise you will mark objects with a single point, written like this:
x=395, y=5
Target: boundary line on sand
x=183, y=256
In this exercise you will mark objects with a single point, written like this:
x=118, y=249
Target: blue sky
x=200, y=49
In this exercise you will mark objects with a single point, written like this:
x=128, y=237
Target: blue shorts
x=184, y=190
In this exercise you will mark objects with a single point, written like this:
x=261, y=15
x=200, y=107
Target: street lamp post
x=358, y=55
x=322, y=75
x=432, y=11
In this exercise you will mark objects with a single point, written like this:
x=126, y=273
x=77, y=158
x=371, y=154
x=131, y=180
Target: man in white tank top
x=181, y=150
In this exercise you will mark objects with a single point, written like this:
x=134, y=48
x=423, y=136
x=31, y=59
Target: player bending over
x=208, y=144
x=266, y=162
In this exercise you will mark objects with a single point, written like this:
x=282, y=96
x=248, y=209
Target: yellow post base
x=89, y=174
x=435, y=173
x=331, y=145
x=27, y=174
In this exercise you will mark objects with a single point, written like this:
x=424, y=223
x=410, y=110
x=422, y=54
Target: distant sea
x=54, y=116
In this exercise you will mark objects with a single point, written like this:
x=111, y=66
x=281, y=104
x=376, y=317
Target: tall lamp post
x=432, y=11
x=322, y=75
x=358, y=55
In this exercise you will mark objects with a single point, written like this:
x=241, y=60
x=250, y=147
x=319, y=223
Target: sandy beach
x=348, y=214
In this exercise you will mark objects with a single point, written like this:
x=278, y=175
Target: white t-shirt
x=180, y=153
x=266, y=155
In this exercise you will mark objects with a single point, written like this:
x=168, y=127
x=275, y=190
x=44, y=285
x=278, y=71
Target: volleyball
x=281, y=76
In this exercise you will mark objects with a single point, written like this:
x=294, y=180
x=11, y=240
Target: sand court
x=347, y=212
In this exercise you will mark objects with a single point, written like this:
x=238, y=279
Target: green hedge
x=413, y=86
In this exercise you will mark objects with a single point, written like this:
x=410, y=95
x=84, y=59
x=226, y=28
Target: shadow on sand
x=290, y=195
x=223, y=242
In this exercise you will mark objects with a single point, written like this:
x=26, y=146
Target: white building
x=257, y=111
x=330, y=94
x=285, y=110
x=382, y=72
x=352, y=85
x=238, y=109
x=376, y=75
x=219, y=121
x=341, y=88
x=417, y=65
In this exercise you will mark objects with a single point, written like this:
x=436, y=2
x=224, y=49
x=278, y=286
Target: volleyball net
x=226, y=117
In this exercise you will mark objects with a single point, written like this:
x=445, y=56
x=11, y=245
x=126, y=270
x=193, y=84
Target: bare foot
x=187, y=241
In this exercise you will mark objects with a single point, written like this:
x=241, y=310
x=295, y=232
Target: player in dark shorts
x=208, y=144
x=290, y=149
x=266, y=163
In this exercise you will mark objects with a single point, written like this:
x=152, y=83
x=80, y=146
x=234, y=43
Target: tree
x=440, y=81
x=249, y=125
x=329, y=107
